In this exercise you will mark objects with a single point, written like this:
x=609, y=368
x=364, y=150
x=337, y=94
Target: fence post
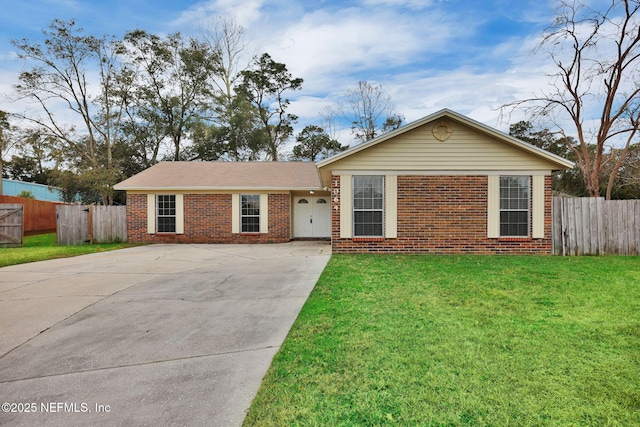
x=90, y=223
x=601, y=231
x=563, y=225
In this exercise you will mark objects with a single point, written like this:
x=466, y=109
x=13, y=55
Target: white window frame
x=255, y=199
x=380, y=209
x=161, y=212
x=502, y=197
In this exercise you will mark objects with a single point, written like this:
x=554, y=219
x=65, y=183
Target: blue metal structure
x=40, y=191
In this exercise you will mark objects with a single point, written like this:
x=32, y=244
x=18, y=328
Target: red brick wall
x=442, y=215
x=207, y=219
x=136, y=217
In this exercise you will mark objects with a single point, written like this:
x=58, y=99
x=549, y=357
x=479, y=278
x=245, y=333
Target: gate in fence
x=11, y=225
x=77, y=224
x=595, y=226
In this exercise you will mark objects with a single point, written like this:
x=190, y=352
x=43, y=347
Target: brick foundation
x=207, y=219
x=442, y=215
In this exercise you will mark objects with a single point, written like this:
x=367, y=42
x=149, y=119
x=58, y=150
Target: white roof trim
x=210, y=188
x=470, y=172
x=459, y=117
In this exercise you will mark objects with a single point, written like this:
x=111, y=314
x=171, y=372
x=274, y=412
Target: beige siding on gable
x=466, y=149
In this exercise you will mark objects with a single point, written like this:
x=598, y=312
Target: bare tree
x=597, y=56
x=370, y=111
x=226, y=38
x=235, y=133
x=329, y=121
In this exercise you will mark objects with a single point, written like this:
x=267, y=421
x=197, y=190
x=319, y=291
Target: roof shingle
x=225, y=175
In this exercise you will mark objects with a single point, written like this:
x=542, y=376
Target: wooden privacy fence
x=39, y=216
x=594, y=226
x=11, y=225
x=77, y=224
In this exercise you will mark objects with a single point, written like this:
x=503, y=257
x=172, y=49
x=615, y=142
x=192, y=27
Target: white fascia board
x=186, y=189
x=470, y=172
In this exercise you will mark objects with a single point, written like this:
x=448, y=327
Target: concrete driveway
x=152, y=335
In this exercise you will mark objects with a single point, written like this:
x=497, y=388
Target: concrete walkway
x=152, y=335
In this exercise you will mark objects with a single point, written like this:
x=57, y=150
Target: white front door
x=303, y=217
x=312, y=217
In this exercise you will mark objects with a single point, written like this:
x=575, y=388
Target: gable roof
x=558, y=161
x=225, y=176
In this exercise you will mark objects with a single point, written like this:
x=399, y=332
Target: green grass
x=461, y=341
x=43, y=247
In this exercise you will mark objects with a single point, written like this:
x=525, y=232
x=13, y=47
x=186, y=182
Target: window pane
x=251, y=205
x=522, y=204
x=514, y=229
x=514, y=223
x=251, y=224
x=368, y=223
x=166, y=224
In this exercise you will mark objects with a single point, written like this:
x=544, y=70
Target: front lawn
x=472, y=340
x=43, y=246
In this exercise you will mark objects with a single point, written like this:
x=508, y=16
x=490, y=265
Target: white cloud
x=474, y=92
x=329, y=49
x=245, y=12
x=63, y=4
x=9, y=56
x=411, y=4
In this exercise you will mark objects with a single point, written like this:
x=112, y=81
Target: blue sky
x=467, y=55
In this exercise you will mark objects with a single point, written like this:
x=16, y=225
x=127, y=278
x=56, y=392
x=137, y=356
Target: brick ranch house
x=442, y=184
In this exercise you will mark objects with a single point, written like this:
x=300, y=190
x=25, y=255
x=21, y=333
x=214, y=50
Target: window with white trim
x=250, y=213
x=166, y=213
x=368, y=206
x=515, y=202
